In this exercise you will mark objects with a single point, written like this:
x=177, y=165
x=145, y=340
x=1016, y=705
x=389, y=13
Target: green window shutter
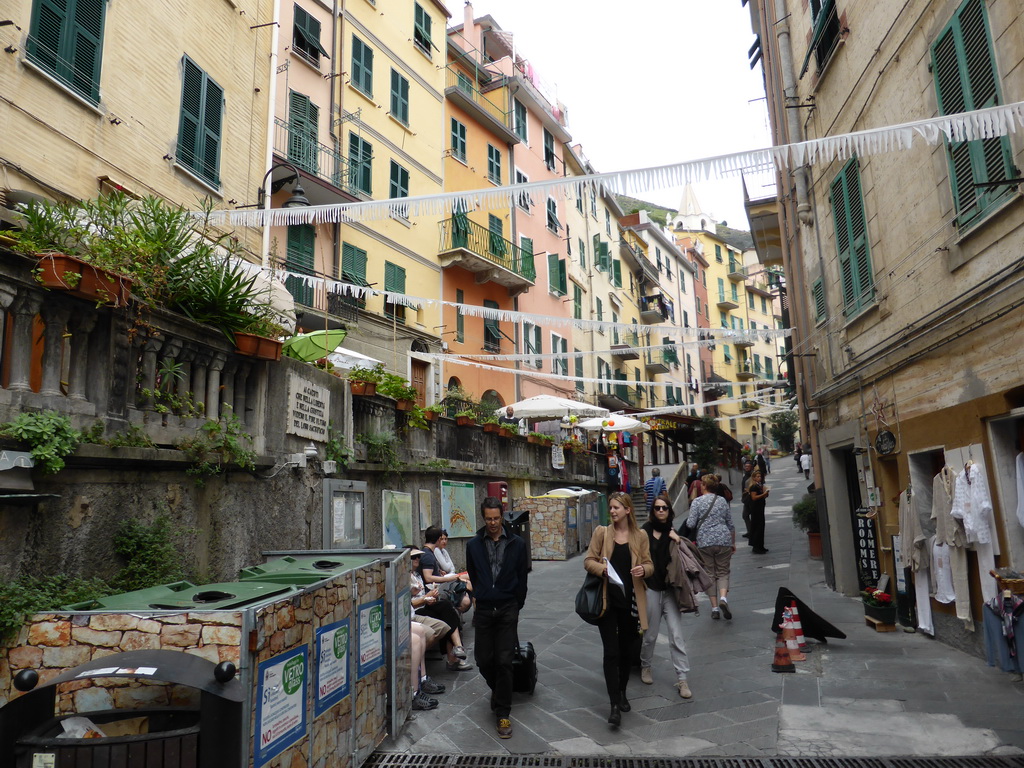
x=577, y=302
x=577, y=364
x=422, y=30
x=66, y=39
x=768, y=368
x=549, y=150
x=399, y=97
x=852, y=239
x=526, y=265
x=598, y=308
x=362, y=66
x=460, y=319
x=306, y=36
x=458, y=140
x=360, y=164
x=818, y=295
x=583, y=253
x=495, y=239
x=303, y=139
x=617, y=273
x=528, y=339
x=399, y=186
x=563, y=279
x=493, y=164
x=353, y=264
x=492, y=329
x=299, y=258
x=199, y=130
x=394, y=278
x=519, y=120
x=966, y=79
x=553, y=272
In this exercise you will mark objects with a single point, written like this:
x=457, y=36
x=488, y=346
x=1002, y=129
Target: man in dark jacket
x=496, y=560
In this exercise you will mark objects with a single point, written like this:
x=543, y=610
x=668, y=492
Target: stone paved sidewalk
x=872, y=694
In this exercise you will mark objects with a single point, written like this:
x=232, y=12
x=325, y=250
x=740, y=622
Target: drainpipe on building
x=272, y=106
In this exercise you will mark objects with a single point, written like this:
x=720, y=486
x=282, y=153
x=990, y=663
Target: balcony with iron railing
x=307, y=154
x=727, y=301
x=736, y=270
x=487, y=254
x=624, y=345
x=490, y=107
x=632, y=246
x=655, y=309
x=745, y=370
x=660, y=361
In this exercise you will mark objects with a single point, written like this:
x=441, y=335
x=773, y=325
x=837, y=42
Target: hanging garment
x=950, y=532
x=922, y=594
x=1020, y=488
x=913, y=542
x=973, y=504
x=943, y=572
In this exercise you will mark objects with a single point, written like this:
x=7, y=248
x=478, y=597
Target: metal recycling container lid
x=303, y=570
x=136, y=600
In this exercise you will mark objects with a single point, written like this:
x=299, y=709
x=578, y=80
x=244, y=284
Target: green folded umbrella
x=313, y=345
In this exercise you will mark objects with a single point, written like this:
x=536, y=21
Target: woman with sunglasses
x=661, y=597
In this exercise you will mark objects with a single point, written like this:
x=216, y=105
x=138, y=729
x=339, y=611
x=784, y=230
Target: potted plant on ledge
x=805, y=517
x=466, y=418
x=363, y=381
x=491, y=424
x=432, y=411
x=878, y=606
x=392, y=385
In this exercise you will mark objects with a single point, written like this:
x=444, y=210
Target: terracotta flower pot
x=492, y=428
x=61, y=272
x=259, y=347
x=404, y=405
x=464, y=421
x=504, y=432
x=430, y=415
x=363, y=388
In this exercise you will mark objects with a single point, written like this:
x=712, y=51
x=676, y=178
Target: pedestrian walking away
x=661, y=597
x=653, y=488
x=716, y=542
x=496, y=561
x=620, y=553
x=757, y=492
x=805, y=465
x=748, y=468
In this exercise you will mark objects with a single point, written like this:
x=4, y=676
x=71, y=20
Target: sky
x=666, y=83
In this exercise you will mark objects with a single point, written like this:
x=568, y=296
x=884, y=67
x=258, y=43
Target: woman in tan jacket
x=625, y=547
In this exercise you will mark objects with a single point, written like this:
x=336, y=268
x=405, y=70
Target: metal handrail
x=461, y=232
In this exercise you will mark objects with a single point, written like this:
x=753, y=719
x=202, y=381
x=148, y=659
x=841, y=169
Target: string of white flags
x=977, y=124
x=451, y=360
x=362, y=292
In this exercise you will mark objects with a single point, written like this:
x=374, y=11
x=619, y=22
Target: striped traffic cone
x=782, y=662
x=797, y=626
x=790, y=637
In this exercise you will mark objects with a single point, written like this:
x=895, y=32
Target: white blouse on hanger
x=973, y=504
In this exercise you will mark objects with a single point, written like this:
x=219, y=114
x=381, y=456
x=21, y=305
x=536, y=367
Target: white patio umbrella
x=550, y=407
x=615, y=423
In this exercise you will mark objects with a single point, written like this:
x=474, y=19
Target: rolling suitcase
x=524, y=668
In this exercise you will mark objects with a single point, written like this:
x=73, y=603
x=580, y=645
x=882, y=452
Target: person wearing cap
x=430, y=603
x=497, y=562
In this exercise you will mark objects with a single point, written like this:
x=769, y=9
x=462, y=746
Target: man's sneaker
x=716, y=614
x=504, y=728
x=429, y=686
x=684, y=689
x=420, y=701
x=646, y=676
x=459, y=666
x=459, y=652
x=723, y=604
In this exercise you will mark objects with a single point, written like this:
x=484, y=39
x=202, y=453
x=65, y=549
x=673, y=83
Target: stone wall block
x=138, y=698
x=101, y=653
x=321, y=605
x=93, y=699
x=50, y=633
x=208, y=652
x=277, y=642
x=221, y=635
x=106, y=622
x=230, y=653
x=25, y=657
x=286, y=617
x=174, y=618
x=304, y=615
x=149, y=625
x=180, y=635
x=217, y=617
x=139, y=641
x=93, y=637
x=67, y=657
x=293, y=636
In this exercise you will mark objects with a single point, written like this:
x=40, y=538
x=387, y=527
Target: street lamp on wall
x=298, y=198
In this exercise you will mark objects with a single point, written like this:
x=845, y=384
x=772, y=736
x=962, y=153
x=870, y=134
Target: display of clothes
x=949, y=531
x=972, y=504
x=1004, y=633
x=916, y=553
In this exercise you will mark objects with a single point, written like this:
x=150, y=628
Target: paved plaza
x=873, y=694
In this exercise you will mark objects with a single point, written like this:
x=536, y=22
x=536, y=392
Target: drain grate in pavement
x=398, y=760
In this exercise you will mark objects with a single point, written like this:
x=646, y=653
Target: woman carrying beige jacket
x=625, y=547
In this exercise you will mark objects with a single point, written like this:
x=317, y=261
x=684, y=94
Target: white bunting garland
x=965, y=126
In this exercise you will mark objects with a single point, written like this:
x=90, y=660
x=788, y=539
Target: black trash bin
x=209, y=736
x=519, y=522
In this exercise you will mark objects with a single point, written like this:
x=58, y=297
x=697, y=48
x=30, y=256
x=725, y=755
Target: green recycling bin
x=223, y=596
x=136, y=600
x=303, y=570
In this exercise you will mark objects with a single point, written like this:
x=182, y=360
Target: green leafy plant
x=705, y=451
x=805, y=514
x=215, y=445
x=436, y=464
x=48, y=434
x=372, y=375
x=337, y=449
x=36, y=594
x=133, y=437
x=783, y=427
x=511, y=426
x=151, y=553
x=437, y=408
x=466, y=413
x=382, y=448
x=392, y=385
x=417, y=419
